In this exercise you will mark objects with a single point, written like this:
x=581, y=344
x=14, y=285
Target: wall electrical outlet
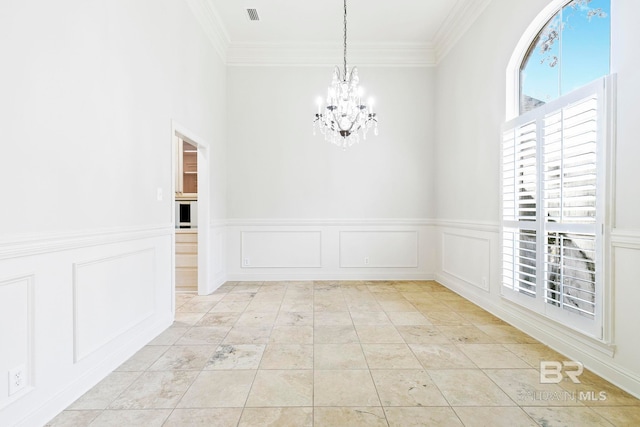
x=366, y=260
x=17, y=379
x=246, y=262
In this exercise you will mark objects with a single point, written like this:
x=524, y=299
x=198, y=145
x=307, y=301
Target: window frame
x=520, y=51
x=601, y=328
x=602, y=88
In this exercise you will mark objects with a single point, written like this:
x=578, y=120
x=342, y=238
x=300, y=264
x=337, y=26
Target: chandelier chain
x=345, y=39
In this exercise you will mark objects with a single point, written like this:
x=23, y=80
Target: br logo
x=551, y=372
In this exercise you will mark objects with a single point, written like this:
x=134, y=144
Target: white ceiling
x=306, y=32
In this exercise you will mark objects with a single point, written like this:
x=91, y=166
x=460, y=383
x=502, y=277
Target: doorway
x=190, y=213
x=186, y=215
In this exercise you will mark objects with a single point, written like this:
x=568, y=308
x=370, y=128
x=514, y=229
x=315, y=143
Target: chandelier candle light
x=345, y=116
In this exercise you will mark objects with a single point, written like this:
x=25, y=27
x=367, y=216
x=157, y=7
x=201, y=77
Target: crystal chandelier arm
x=351, y=123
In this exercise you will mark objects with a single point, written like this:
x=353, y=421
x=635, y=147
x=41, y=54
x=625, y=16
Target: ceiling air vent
x=253, y=15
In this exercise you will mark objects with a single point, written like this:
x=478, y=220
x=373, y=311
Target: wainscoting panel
x=378, y=249
x=16, y=332
x=319, y=249
x=467, y=258
x=624, y=296
x=75, y=306
x=281, y=249
x=462, y=266
x=111, y=295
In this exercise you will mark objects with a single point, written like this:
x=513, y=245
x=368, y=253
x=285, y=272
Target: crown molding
x=210, y=21
x=459, y=20
x=305, y=54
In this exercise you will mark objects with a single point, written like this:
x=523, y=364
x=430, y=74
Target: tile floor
x=342, y=354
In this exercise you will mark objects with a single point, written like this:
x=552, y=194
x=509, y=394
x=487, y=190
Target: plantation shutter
x=519, y=201
x=552, y=184
x=570, y=185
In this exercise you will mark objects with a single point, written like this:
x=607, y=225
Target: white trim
x=597, y=355
x=179, y=131
x=427, y=54
x=332, y=266
x=487, y=280
x=342, y=264
x=608, y=203
x=625, y=238
x=512, y=100
x=487, y=226
x=316, y=222
x=598, y=88
x=456, y=25
x=65, y=397
x=29, y=283
x=289, y=276
x=321, y=54
x=216, y=224
x=35, y=244
x=244, y=234
x=565, y=341
x=212, y=25
x=537, y=325
x=144, y=317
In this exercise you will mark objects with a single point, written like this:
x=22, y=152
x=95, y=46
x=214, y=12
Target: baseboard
x=67, y=272
x=287, y=276
x=93, y=376
x=218, y=281
x=594, y=356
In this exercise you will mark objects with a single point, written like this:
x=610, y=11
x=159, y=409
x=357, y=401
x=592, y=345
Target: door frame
x=179, y=131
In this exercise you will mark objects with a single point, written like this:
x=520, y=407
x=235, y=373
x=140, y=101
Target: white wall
x=625, y=239
x=471, y=107
x=278, y=169
x=470, y=96
x=625, y=61
x=280, y=175
x=89, y=92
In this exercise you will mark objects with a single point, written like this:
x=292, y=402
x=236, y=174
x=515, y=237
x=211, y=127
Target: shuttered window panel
x=570, y=163
x=519, y=173
x=551, y=183
x=519, y=261
x=571, y=276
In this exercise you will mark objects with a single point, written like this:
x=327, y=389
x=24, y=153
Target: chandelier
x=345, y=117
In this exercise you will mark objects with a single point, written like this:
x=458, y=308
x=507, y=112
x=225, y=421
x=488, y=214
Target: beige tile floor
x=342, y=354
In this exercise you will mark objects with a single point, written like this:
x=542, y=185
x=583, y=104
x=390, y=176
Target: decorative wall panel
x=281, y=249
x=16, y=331
x=467, y=258
x=111, y=295
x=378, y=249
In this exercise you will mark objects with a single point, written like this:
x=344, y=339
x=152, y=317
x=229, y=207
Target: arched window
x=554, y=166
x=571, y=50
